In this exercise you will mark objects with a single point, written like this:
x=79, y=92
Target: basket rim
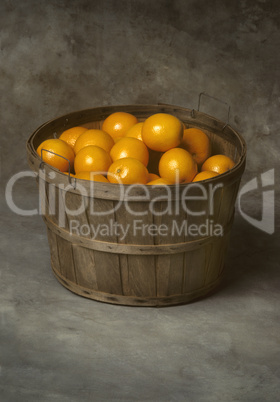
x=232, y=175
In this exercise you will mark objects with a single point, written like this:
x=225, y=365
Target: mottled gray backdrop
x=59, y=56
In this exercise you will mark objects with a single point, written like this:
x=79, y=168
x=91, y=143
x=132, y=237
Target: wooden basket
x=147, y=267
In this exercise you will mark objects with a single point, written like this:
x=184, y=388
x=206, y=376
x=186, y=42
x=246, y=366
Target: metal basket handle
x=216, y=99
x=69, y=165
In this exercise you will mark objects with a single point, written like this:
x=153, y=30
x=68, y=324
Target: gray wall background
x=59, y=56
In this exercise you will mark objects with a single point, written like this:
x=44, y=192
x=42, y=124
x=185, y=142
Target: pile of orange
x=157, y=151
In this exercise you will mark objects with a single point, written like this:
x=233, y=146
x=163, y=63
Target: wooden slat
x=124, y=269
x=141, y=278
x=169, y=267
x=55, y=205
x=66, y=261
x=76, y=213
x=86, y=269
x=216, y=260
x=108, y=274
x=170, y=274
x=53, y=249
x=138, y=272
x=196, y=212
x=196, y=265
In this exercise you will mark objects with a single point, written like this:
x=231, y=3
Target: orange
x=59, y=155
x=72, y=134
x=92, y=159
x=118, y=123
x=197, y=143
x=91, y=176
x=162, y=131
x=159, y=182
x=206, y=174
x=128, y=171
x=153, y=176
x=116, y=139
x=128, y=147
x=177, y=165
x=218, y=163
x=135, y=131
x=94, y=137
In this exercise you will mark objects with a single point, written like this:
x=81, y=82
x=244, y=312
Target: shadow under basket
x=139, y=245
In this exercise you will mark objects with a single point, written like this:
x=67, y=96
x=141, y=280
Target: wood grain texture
x=134, y=300
x=139, y=274
x=86, y=268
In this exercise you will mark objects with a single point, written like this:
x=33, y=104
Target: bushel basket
x=139, y=245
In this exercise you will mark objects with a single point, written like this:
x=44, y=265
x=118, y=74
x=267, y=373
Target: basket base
x=160, y=301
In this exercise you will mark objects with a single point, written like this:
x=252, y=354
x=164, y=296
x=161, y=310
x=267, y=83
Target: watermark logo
x=267, y=221
x=139, y=227
x=197, y=202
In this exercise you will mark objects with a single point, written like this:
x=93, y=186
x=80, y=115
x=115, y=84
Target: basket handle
x=216, y=99
x=69, y=165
